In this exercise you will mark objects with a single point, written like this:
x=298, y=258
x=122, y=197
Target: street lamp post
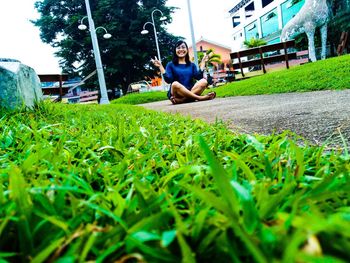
x=99, y=68
x=144, y=32
x=194, y=48
x=84, y=27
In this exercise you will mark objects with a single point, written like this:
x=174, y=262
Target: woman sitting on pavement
x=180, y=73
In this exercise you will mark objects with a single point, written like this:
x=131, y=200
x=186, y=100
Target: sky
x=210, y=19
x=20, y=38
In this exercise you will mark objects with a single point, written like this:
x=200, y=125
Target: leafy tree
x=339, y=22
x=254, y=42
x=213, y=58
x=339, y=6
x=126, y=56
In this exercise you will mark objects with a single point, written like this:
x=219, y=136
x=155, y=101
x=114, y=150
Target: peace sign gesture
x=156, y=62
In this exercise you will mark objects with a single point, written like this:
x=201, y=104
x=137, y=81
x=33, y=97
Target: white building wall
x=258, y=4
x=257, y=14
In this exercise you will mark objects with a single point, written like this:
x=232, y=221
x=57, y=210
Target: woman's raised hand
x=205, y=58
x=156, y=62
x=204, y=61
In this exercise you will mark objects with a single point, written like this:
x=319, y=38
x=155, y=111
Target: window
x=250, y=7
x=266, y=2
x=269, y=23
x=251, y=27
x=235, y=21
x=292, y=2
x=290, y=9
x=251, y=30
x=269, y=16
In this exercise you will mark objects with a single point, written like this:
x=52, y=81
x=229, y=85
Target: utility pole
x=99, y=68
x=194, y=48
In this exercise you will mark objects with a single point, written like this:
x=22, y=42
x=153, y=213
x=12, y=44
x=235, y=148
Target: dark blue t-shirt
x=183, y=73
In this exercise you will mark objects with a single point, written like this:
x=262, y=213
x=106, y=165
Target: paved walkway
x=317, y=116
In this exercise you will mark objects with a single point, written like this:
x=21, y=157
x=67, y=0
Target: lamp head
x=107, y=36
x=82, y=27
x=163, y=18
x=144, y=32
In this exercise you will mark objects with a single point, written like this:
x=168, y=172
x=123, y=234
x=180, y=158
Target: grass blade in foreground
x=115, y=181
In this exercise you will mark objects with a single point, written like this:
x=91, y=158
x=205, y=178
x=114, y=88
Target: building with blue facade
x=261, y=19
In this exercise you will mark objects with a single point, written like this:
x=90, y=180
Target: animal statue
x=313, y=14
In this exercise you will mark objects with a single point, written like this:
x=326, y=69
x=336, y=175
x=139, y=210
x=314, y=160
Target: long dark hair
x=176, y=58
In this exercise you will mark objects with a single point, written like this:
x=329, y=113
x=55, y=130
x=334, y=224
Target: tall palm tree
x=254, y=42
x=213, y=58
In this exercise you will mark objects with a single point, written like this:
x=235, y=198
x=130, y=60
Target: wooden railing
x=54, y=78
x=88, y=97
x=261, y=59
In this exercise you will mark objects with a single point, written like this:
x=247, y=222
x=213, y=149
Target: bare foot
x=177, y=100
x=173, y=100
x=210, y=96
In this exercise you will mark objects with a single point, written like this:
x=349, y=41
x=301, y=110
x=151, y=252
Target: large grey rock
x=19, y=85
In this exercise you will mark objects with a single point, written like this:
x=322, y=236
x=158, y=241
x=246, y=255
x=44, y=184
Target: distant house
x=58, y=86
x=202, y=45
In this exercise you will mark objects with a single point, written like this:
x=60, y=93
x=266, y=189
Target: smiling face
x=182, y=50
x=180, y=53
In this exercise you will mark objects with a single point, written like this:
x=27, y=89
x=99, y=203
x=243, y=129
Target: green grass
x=329, y=74
x=140, y=98
x=105, y=183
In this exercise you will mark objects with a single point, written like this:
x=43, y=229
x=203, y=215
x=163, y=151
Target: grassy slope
x=85, y=182
x=139, y=98
x=333, y=73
